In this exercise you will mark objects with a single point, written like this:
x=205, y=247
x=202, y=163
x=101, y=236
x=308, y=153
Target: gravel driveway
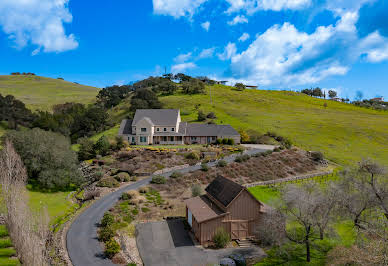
x=167, y=243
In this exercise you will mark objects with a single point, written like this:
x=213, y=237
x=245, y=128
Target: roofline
x=218, y=216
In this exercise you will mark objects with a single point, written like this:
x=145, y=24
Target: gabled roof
x=125, y=127
x=203, y=208
x=162, y=117
x=199, y=130
x=224, y=190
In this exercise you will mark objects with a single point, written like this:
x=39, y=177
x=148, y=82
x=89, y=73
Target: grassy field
x=42, y=93
x=56, y=203
x=7, y=252
x=343, y=132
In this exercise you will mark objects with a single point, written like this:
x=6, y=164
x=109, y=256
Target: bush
x=204, y=167
x=222, y=163
x=219, y=141
x=86, y=150
x=102, y=146
x=176, y=175
x=192, y=156
x=119, y=142
x=201, y=116
x=211, y=115
x=107, y=220
x=230, y=141
x=317, y=156
x=225, y=141
x=122, y=177
x=196, y=190
x=266, y=153
x=111, y=248
x=108, y=182
x=158, y=179
x=91, y=195
x=242, y=158
x=105, y=234
x=287, y=143
x=221, y=238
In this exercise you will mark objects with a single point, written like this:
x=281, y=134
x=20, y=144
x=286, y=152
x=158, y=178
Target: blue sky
x=276, y=44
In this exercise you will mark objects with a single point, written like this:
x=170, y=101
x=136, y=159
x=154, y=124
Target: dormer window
x=143, y=129
x=172, y=129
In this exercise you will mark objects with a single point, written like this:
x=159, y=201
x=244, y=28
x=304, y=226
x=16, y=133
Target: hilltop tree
x=317, y=92
x=157, y=84
x=240, y=86
x=332, y=94
x=194, y=86
x=112, y=96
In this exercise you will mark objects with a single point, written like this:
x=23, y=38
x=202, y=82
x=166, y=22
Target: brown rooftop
x=224, y=190
x=203, y=209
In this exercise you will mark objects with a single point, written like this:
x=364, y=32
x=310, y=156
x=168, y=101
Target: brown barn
x=227, y=205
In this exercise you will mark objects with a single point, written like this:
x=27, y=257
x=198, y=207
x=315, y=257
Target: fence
x=322, y=176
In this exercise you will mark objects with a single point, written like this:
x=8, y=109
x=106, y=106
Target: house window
x=193, y=138
x=171, y=138
x=143, y=139
x=133, y=140
x=164, y=138
x=214, y=138
x=158, y=129
x=172, y=129
x=165, y=129
x=143, y=129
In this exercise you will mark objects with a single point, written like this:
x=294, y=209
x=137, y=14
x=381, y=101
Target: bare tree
x=29, y=233
x=301, y=206
x=271, y=228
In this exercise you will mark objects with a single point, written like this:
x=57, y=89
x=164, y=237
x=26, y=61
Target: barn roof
x=224, y=190
x=203, y=208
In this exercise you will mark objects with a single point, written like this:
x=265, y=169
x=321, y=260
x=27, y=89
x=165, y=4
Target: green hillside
x=42, y=93
x=343, y=132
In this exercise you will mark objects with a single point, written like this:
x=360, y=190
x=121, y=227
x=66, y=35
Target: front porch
x=168, y=140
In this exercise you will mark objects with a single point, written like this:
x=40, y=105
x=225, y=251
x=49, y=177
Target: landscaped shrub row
x=242, y=158
x=225, y=141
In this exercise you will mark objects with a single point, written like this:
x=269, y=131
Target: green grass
x=6, y=249
x=343, y=132
x=57, y=203
x=9, y=261
x=7, y=252
x=265, y=194
x=5, y=242
x=42, y=93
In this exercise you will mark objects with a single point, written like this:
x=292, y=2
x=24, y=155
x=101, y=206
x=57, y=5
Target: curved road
x=82, y=244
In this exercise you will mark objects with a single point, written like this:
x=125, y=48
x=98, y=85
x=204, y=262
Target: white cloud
x=182, y=58
x=177, y=8
x=182, y=67
x=252, y=6
x=229, y=52
x=375, y=47
x=206, y=25
x=37, y=22
x=245, y=36
x=207, y=53
x=238, y=20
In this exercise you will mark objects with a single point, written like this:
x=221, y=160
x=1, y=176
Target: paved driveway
x=167, y=243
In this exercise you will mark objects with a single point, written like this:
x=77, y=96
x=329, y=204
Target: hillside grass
x=7, y=252
x=42, y=93
x=343, y=132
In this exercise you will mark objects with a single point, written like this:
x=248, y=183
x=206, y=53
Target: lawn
x=42, y=93
x=7, y=252
x=344, y=235
x=343, y=132
x=57, y=203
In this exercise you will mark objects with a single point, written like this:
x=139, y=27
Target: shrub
x=192, y=156
x=211, y=115
x=176, y=175
x=111, y=248
x=225, y=141
x=196, y=190
x=108, y=182
x=133, y=178
x=277, y=149
x=145, y=209
x=105, y=234
x=219, y=141
x=119, y=142
x=107, y=220
x=244, y=137
x=201, y=116
x=287, y=143
x=222, y=163
x=86, y=150
x=204, y=167
x=102, y=146
x=242, y=158
x=122, y=177
x=98, y=175
x=144, y=190
x=158, y=179
x=266, y=153
x=230, y=141
x=91, y=195
x=221, y=238
x=317, y=156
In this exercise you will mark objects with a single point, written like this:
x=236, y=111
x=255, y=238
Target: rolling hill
x=42, y=93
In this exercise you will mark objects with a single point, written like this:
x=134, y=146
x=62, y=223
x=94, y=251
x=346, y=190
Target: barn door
x=239, y=229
